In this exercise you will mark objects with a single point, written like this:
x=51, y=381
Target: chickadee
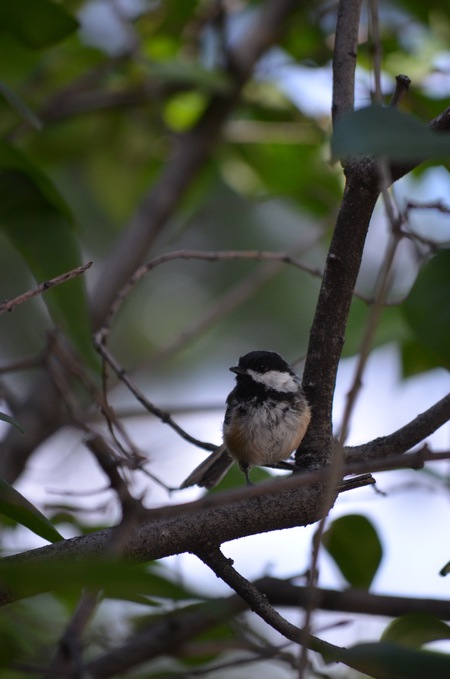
x=266, y=418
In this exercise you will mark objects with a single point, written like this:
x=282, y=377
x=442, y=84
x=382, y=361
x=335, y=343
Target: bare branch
x=43, y=287
x=285, y=593
x=210, y=256
x=223, y=568
x=342, y=267
x=148, y=405
x=220, y=517
x=327, y=333
x=344, y=57
x=404, y=438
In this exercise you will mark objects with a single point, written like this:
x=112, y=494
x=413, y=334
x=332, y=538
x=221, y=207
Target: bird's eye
x=261, y=368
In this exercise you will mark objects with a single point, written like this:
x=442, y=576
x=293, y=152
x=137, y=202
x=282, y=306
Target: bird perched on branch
x=266, y=418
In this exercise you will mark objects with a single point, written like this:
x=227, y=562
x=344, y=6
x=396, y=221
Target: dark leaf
x=353, y=543
x=389, y=661
x=427, y=308
x=38, y=223
x=17, y=507
x=377, y=131
x=36, y=23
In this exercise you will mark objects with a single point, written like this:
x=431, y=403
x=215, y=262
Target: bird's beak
x=239, y=371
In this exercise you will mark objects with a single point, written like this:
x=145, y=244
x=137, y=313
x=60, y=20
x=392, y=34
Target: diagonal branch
x=10, y=304
x=404, y=438
x=259, y=603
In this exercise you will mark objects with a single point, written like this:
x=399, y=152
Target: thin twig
x=24, y=363
x=43, y=287
x=209, y=256
x=402, y=83
x=162, y=415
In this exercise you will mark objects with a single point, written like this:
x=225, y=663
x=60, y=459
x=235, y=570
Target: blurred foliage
x=87, y=123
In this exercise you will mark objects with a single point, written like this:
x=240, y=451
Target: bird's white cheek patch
x=274, y=379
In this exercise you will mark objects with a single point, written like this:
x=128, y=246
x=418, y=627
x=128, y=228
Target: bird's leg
x=245, y=468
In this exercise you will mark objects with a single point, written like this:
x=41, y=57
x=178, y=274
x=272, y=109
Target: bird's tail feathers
x=210, y=471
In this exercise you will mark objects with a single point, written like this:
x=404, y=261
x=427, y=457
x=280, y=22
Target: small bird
x=266, y=418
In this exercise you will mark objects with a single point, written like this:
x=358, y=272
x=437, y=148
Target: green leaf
x=416, y=359
x=36, y=23
x=353, y=543
x=377, y=131
x=7, y=418
x=183, y=110
x=388, y=661
x=415, y=629
x=427, y=308
x=38, y=223
x=17, y=507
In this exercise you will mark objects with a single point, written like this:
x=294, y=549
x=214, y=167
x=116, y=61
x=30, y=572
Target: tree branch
x=171, y=634
x=344, y=57
x=259, y=603
x=404, y=438
x=327, y=333
x=284, y=593
x=275, y=505
x=181, y=528
x=43, y=287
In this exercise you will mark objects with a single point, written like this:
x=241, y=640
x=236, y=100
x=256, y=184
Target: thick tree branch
x=327, y=333
x=274, y=505
x=179, y=529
